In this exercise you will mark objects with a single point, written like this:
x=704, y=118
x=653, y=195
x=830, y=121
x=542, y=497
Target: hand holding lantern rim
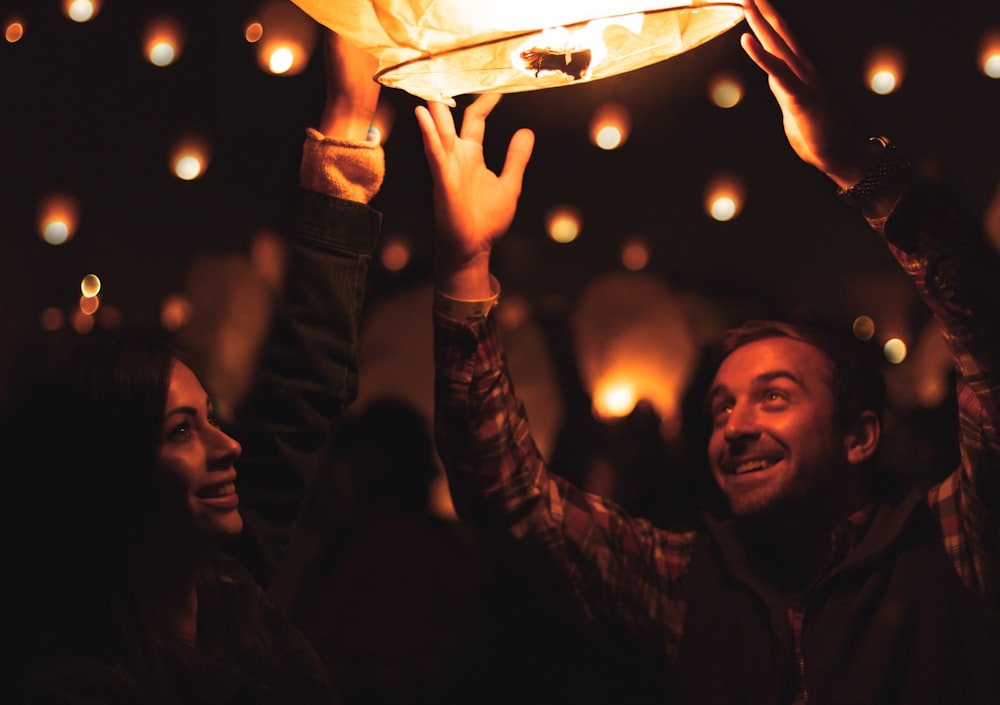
x=817, y=127
x=473, y=206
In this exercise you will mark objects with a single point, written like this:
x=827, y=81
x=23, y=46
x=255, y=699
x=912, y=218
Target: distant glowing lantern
x=863, y=328
x=58, y=216
x=989, y=54
x=609, y=126
x=90, y=286
x=633, y=343
x=635, y=253
x=175, y=312
x=725, y=90
x=885, y=69
x=253, y=32
x=189, y=158
x=894, y=350
x=81, y=10
x=395, y=254
x=437, y=49
x=163, y=41
x=563, y=223
x=285, y=40
x=13, y=30
x=89, y=305
x=724, y=197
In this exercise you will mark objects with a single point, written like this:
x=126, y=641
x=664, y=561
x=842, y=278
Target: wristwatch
x=891, y=162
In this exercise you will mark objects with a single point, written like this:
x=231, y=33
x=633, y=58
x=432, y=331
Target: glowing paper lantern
x=437, y=49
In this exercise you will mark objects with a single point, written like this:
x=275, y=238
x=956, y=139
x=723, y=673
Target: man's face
x=774, y=444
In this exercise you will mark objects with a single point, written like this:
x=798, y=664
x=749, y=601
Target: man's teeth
x=220, y=490
x=753, y=466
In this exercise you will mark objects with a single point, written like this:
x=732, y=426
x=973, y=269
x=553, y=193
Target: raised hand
x=817, y=127
x=473, y=206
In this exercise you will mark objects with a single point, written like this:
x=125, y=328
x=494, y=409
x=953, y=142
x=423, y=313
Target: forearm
x=307, y=372
x=957, y=274
x=615, y=567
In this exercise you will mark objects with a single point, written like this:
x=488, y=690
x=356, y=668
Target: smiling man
x=828, y=581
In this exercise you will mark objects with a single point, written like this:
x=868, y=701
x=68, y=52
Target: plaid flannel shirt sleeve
x=957, y=273
x=618, y=568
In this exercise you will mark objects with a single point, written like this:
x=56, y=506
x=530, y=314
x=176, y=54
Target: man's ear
x=862, y=442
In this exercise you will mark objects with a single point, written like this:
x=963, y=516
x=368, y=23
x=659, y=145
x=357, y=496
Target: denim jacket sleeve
x=307, y=372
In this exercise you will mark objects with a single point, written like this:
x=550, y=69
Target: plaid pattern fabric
x=626, y=565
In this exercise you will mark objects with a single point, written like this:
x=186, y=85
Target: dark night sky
x=81, y=111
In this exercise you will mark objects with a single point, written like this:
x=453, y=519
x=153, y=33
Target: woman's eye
x=179, y=431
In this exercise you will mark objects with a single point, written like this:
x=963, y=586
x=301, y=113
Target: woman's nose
x=227, y=448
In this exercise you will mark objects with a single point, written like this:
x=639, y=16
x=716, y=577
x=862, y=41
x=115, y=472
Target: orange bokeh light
x=287, y=39
x=14, y=30
x=884, y=70
x=163, y=41
x=610, y=126
x=58, y=217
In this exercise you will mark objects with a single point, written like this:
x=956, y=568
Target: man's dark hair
x=853, y=376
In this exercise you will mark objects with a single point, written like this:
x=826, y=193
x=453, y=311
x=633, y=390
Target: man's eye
x=775, y=395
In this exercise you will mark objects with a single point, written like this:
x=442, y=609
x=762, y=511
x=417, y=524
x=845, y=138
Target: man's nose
x=741, y=424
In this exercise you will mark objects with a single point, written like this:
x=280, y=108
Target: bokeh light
x=190, y=158
x=725, y=90
x=253, y=32
x=81, y=10
x=563, y=223
x=989, y=53
x=82, y=323
x=163, y=41
x=863, y=328
x=175, y=312
x=884, y=70
x=395, y=253
x=635, y=253
x=90, y=285
x=287, y=38
x=894, y=350
x=58, y=217
x=610, y=125
x=89, y=304
x=724, y=196
x=614, y=399
x=13, y=30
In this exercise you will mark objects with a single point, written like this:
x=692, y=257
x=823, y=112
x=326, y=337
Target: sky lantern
x=189, y=158
x=884, y=70
x=437, y=49
x=725, y=90
x=13, y=29
x=58, y=217
x=286, y=38
x=633, y=343
x=724, y=196
x=609, y=126
x=81, y=10
x=563, y=223
x=163, y=41
x=989, y=54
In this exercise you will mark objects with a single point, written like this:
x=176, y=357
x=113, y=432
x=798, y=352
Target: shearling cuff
x=342, y=168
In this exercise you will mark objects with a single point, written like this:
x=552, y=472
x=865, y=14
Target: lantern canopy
x=437, y=49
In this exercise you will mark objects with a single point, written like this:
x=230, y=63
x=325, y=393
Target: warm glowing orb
x=724, y=197
x=884, y=72
x=89, y=304
x=989, y=54
x=13, y=31
x=609, y=126
x=894, y=350
x=635, y=254
x=563, y=224
x=253, y=32
x=614, y=399
x=863, y=328
x=52, y=319
x=90, y=286
x=81, y=10
x=190, y=158
x=395, y=254
x=725, y=90
x=57, y=218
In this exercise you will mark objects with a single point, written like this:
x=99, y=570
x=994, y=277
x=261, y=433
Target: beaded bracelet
x=890, y=163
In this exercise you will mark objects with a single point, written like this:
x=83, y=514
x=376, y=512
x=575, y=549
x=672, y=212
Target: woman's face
x=196, y=465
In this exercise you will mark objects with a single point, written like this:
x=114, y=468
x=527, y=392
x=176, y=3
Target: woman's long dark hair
x=82, y=426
